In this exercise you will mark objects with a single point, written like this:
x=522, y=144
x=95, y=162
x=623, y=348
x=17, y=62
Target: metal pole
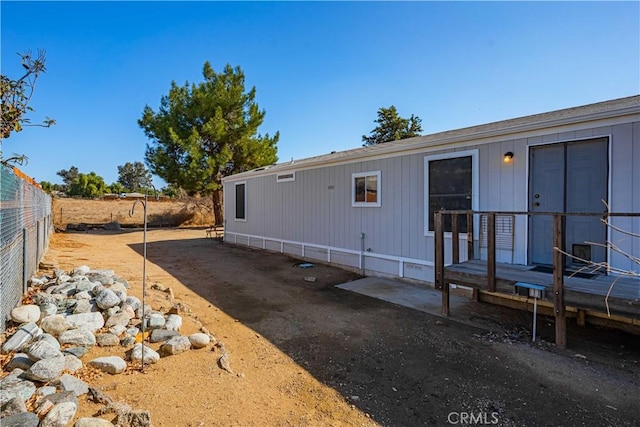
x=362, y=253
x=144, y=269
x=38, y=238
x=25, y=259
x=535, y=312
x=144, y=261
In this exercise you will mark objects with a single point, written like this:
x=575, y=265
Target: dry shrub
x=197, y=210
x=171, y=219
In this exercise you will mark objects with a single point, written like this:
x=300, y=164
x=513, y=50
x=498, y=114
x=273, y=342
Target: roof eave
x=438, y=139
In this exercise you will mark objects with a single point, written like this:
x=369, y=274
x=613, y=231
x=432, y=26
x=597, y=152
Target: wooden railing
x=559, y=222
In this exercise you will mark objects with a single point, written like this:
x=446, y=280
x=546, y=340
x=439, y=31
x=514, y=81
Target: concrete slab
x=405, y=294
x=428, y=300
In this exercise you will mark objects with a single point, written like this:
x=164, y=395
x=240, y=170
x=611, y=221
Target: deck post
x=491, y=252
x=581, y=317
x=475, y=296
x=558, y=281
x=455, y=239
x=439, y=260
x=470, y=254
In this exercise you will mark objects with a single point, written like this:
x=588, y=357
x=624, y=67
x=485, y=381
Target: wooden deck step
x=582, y=293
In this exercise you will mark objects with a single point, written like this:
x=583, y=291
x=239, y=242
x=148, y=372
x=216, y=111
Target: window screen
x=450, y=188
x=240, y=201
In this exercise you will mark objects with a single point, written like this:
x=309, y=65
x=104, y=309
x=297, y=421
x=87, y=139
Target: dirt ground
x=308, y=354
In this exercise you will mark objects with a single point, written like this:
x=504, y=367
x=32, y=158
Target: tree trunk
x=218, y=208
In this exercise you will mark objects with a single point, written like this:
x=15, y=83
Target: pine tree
x=206, y=131
x=392, y=127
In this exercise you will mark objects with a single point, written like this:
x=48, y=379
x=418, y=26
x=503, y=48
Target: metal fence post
x=38, y=237
x=25, y=259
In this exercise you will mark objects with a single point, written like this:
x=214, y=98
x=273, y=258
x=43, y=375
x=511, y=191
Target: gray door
x=546, y=194
x=568, y=177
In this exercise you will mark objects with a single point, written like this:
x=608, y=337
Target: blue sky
x=321, y=69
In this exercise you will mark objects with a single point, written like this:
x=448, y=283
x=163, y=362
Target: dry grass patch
x=173, y=213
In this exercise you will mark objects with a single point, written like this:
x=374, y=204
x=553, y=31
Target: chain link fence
x=25, y=227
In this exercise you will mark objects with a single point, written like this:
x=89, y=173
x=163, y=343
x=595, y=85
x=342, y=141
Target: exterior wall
x=313, y=216
x=625, y=192
x=316, y=210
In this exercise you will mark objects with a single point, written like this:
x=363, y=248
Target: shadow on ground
x=402, y=366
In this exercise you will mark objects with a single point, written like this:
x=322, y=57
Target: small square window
x=365, y=189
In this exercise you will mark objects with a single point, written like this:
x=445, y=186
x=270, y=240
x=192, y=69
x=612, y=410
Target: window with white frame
x=365, y=189
x=451, y=183
x=286, y=177
x=241, y=201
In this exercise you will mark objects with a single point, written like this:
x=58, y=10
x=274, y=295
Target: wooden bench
x=215, y=231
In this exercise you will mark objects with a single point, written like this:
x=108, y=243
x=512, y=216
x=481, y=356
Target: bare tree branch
x=16, y=95
x=619, y=230
x=604, y=265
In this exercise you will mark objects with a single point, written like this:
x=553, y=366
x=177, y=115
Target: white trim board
x=400, y=260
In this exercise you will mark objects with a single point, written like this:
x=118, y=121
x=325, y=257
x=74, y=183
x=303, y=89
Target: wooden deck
x=581, y=293
x=605, y=294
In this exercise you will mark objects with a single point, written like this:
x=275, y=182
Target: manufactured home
x=373, y=208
